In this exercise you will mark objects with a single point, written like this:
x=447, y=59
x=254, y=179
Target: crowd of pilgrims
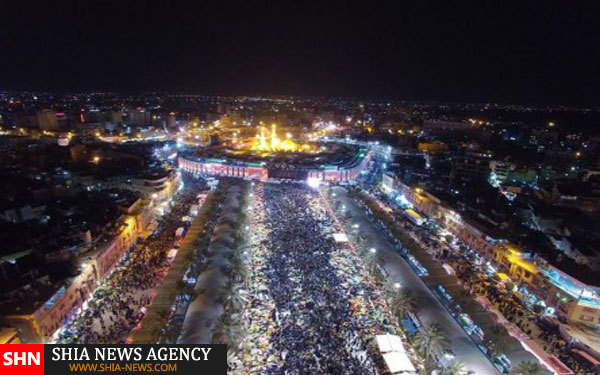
x=307, y=307
x=119, y=302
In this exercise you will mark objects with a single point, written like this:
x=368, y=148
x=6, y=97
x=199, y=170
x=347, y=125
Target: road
x=429, y=309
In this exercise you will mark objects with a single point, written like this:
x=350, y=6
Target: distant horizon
x=510, y=52
x=303, y=96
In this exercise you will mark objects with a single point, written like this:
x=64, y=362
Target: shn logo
x=21, y=358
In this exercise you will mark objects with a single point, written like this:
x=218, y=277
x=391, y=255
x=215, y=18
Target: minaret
x=263, y=138
x=274, y=141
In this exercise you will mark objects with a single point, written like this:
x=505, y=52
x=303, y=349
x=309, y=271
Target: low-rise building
x=41, y=305
x=573, y=295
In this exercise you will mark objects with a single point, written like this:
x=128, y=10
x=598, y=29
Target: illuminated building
x=431, y=147
x=40, y=319
x=257, y=168
x=272, y=143
x=574, y=296
x=171, y=120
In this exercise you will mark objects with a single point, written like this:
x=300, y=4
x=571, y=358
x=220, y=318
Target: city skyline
x=323, y=188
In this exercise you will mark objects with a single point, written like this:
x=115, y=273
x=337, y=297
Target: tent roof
x=200, y=320
x=398, y=363
x=389, y=343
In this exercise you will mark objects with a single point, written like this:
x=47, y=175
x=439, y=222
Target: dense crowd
x=119, y=302
x=313, y=310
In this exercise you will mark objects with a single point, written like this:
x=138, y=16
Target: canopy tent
x=340, y=237
x=211, y=283
x=225, y=238
x=200, y=319
x=389, y=343
x=399, y=363
x=223, y=228
x=394, y=354
x=229, y=217
x=217, y=247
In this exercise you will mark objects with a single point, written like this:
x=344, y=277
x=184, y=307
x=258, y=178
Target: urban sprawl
x=310, y=235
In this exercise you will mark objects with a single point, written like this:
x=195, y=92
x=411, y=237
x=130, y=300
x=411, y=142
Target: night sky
x=538, y=52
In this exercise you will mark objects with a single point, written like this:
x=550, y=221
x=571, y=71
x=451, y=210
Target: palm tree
x=456, y=368
x=496, y=339
x=371, y=261
x=234, y=364
x=529, y=368
x=361, y=241
x=238, y=267
x=391, y=287
x=431, y=341
x=236, y=298
x=402, y=304
x=336, y=205
x=171, y=332
x=228, y=332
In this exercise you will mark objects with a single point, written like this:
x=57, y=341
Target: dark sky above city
x=539, y=52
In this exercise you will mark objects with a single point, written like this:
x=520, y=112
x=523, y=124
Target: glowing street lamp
x=313, y=182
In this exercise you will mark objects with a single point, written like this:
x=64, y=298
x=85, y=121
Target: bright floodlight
x=397, y=285
x=313, y=182
x=373, y=250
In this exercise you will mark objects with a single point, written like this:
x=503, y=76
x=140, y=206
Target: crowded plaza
x=312, y=307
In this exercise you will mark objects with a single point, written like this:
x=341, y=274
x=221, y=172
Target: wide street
x=429, y=309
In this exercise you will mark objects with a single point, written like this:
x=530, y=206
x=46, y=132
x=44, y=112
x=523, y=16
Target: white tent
x=398, y=363
x=394, y=354
x=389, y=343
x=340, y=237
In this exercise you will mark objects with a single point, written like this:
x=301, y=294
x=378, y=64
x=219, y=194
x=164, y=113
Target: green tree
x=371, y=261
x=430, y=341
x=236, y=298
x=228, y=332
x=456, y=368
x=402, y=304
x=234, y=364
x=496, y=339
